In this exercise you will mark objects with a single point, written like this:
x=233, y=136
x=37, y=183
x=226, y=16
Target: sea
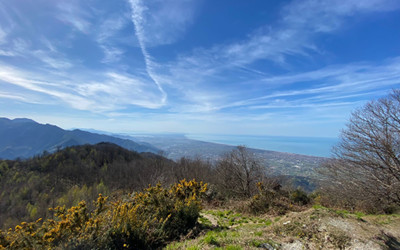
x=314, y=146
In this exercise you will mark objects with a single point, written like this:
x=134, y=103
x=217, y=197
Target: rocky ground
x=315, y=228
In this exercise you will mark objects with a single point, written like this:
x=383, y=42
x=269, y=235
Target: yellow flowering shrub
x=146, y=219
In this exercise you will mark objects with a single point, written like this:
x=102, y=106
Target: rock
x=266, y=246
x=296, y=245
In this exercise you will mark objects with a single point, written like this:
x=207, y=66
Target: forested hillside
x=30, y=187
x=53, y=201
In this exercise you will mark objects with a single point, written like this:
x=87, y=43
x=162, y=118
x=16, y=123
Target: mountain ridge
x=24, y=138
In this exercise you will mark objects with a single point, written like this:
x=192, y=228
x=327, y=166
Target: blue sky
x=295, y=68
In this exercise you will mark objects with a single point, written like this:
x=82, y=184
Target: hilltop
x=313, y=228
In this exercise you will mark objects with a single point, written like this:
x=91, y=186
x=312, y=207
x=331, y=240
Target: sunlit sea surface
x=316, y=146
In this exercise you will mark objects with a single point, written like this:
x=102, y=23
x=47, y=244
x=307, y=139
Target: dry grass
x=315, y=228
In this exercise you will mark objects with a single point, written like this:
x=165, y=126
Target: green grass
x=245, y=236
x=268, y=222
x=359, y=215
x=256, y=243
x=259, y=233
x=231, y=247
x=204, y=221
x=242, y=231
x=227, y=218
x=193, y=248
x=317, y=206
x=211, y=239
x=342, y=213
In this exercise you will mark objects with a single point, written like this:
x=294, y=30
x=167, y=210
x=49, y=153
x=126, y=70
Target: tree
x=190, y=169
x=238, y=172
x=366, y=162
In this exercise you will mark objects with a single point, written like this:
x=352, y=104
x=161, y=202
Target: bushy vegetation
x=142, y=220
x=272, y=198
x=30, y=187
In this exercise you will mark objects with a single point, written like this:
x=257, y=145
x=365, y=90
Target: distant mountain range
x=24, y=138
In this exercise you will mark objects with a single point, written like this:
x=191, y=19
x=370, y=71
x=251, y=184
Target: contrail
x=138, y=21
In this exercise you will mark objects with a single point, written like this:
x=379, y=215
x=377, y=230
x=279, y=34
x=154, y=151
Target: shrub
x=300, y=197
x=269, y=199
x=144, y=220
x=272, y=199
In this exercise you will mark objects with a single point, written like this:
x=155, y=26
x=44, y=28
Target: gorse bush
x=143, y=220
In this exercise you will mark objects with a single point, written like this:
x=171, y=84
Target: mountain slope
x=25, y=138
x=29, y=187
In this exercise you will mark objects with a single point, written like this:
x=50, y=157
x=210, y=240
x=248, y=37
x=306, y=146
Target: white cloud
x=138, y=20
x=13, y=96
x=52, y=59
x=111, y=54
x=6, y=53
x=163, y=21
x=331, y=83
x=113, y=91
x=110, y=26
x=107, y=37
x=3, y=36
x=71, y=13
x=21, y=79
x=326, y=16
x=292, y=35
x=300, y=21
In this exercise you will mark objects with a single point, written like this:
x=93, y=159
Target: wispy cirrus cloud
x=71, y=13
x=163, y=21
x=3, y=35
x=112, y=90
x=108, y=30
x=53, y=60
x=324, y=87
x=43, y=65
x=111, y=54
x=292, y=35
x=28, y=82
x=13, y=96
x=139, y=21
